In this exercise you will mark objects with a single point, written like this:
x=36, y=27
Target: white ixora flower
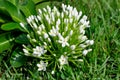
x=63, y=60
x=63, y=40
x=53, y=31
x=42, y=66
x=38, y=51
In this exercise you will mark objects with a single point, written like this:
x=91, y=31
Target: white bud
x=49, y=9
x=71, y=32
x=39, y=32
x=40, y=12
x=89, y=50
x=22, y=25
x=65, y=52
x=81, y=60
x=42, y=26
x=54, y=54
x=25, y=51
x=34, y=40
x=58, y=22
x=53, y=72
x=53, y=17
x=83, y=38
x=71, y=20
x=44, y=9
x=73, y=47
x=91, y=42
x=39, y=18
x=62, y=14
x=49, y=39
x=66, y=28
x=45, y=35
x=35, y=25
x=85, y=52
x=84, y=17
x=28, y=36
x=82, y=45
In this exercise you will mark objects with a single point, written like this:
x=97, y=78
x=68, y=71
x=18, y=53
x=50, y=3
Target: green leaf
x=17, y=59
x=10, y=26
x=2, y=20
x=42, y=5
x=12, y=10
x=38, y=1
x=22, y=39
x=27, y=7
x=6, y=41
x=13, y=1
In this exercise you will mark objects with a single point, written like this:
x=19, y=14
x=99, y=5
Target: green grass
x=103, y=63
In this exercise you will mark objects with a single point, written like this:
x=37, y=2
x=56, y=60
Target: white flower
x=63, y=40
x=53, y=31
x=42, y=66
x=63, y=60
x=72, y=47
x=85, y=52
x=38, y=51
x=84, y=21
x=82, y=38
x=46, y=35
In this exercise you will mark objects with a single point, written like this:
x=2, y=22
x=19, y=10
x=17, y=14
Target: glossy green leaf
x=10, y=26
x=12, y=10
x=27, y=7
x=17, y=59
x=38, y=1
x=13, y=1
x=2, y=20
x=42, y=5
x=22, y=39
x=6, y=41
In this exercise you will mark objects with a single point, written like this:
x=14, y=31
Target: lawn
x=102, y=63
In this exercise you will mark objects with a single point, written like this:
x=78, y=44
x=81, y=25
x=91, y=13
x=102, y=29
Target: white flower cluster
x=57, y=34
